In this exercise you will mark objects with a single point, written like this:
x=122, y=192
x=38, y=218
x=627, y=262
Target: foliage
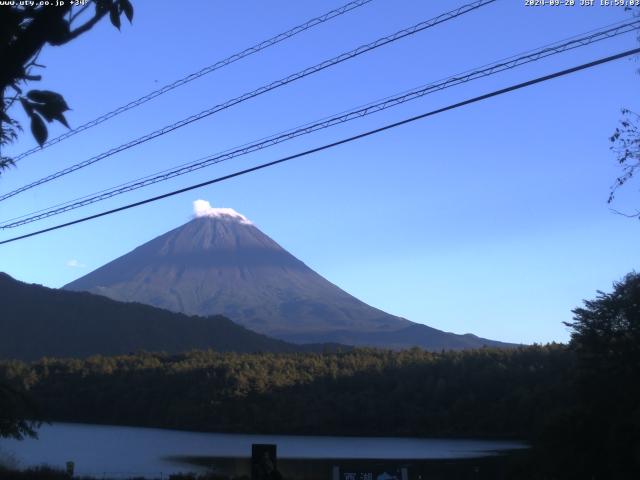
x=609, y=325
x=374, y=392
x=25, y=28
x=579, y=404
x=626, y=145
x=482, y=393
x=604, y=426
x=49, y=473
x=37, y=473
x=15, y=411
x=24, y=31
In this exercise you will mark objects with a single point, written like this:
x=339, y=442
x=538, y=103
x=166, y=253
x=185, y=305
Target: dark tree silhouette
x=610, y=324
x=24, y=31
x=606, y=343
x=17, y=414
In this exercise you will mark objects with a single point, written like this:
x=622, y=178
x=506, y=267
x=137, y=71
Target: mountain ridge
x=221, y=263
x=37, y=321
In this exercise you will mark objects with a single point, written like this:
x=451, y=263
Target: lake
x=122, y=452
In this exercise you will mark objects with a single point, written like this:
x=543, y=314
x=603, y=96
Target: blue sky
x=490, y=219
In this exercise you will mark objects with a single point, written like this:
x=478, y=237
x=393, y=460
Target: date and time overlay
x=582, y=3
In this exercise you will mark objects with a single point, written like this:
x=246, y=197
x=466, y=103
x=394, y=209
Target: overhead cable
x=264, y=89
x=332, y=145
x=389, y=102
x=200, y=73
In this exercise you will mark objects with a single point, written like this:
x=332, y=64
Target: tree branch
x=79, y=12
x=628, y=215
x=85, y=27
x=28, y=42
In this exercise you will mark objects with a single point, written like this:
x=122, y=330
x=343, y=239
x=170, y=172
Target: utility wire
x=266, y=88
x=389, y=102
x=486, y=96
x=195, y=75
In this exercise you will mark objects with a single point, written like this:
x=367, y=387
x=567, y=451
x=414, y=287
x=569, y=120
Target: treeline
x=487, y=392
x=578, y=404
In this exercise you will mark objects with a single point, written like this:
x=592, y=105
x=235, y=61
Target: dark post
x=264, y=462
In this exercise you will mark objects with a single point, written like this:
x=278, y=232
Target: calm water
x=125, y=451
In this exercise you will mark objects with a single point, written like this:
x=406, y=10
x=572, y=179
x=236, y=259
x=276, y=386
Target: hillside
x=37, y=321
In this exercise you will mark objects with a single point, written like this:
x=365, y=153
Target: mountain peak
x=220, y=263
x=203, y=209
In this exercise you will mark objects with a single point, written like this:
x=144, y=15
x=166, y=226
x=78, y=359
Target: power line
x=264, y=89
x=389, y=102
x=195, y=75
x=486, y=96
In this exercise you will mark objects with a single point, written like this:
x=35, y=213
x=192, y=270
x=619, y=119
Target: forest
x=578, y=404
x=372, y=392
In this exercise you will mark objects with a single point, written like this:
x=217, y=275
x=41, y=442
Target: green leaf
x=28, y=106
x=57, y=30
x=50, y=105
x=48, y=97
x=60, y=117
x=50, y=113
x=114, y=15
x=102, y=6
x=39, y=129
x=43, y=110
x=127, y=8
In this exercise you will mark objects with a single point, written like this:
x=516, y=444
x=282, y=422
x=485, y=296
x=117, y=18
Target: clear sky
x=490, y=219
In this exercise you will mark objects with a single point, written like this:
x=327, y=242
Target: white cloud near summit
x=202, y=208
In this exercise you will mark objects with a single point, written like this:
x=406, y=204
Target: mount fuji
x=220, y=263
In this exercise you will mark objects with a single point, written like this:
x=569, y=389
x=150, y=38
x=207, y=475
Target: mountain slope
x=415, y=335
x=220, y=263
x=37, y=321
